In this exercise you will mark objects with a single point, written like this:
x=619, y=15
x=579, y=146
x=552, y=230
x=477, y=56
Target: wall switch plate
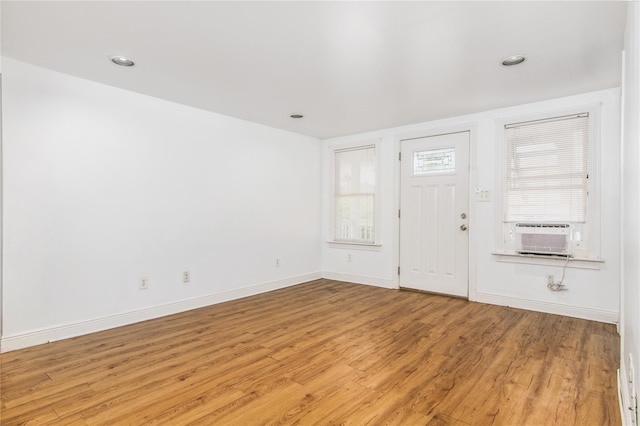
x=144, y=283
x=277, y=264
x=484, y=196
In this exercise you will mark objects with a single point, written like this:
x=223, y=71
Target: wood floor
x=324, y=352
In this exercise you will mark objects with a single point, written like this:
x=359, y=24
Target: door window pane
x=434, y=161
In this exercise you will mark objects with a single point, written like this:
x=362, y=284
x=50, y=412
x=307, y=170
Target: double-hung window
x=547, y=170
x=546, y=180
x=355, y=183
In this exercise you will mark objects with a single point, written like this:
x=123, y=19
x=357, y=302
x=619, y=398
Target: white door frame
x=470, y=127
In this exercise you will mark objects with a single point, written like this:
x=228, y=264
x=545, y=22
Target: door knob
x=463, y=227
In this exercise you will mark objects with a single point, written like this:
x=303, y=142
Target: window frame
x=332, y=237
x=592, y=225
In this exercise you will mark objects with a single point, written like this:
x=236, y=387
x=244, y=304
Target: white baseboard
x=359, y=279
x=600, y=315
x=65, y=331
x=623, y=396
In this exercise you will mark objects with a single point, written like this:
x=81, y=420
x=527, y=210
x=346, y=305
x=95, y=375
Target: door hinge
x=398, y=213
x=399, y=156
x=398, y=270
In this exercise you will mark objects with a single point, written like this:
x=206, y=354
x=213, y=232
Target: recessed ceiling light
x=296, y=115
x=122, y=61
x=513, y=60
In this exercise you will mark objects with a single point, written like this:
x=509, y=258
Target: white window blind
x=547, y=169
x=355, y=187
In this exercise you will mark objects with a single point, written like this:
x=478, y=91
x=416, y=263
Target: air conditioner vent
x=543, y=238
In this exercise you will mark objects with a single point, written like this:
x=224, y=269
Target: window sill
x=355, y=246
x=532, y=259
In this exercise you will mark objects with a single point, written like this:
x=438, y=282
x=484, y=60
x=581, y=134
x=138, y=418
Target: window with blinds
x=547, y=170
x=355, y=193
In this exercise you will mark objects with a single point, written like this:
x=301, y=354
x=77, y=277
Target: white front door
x=434, y=214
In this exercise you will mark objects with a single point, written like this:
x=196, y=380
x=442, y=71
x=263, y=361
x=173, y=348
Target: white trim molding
x=65, y=331
x=623, y=396
x=611, y=317
x=533, y=259
x=359, y=279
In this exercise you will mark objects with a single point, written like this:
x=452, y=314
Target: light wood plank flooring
x=324, y=352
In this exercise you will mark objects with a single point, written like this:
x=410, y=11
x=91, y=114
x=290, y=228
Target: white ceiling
x=349, y=67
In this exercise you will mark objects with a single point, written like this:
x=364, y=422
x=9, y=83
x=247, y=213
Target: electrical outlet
x=550, y=280
x=144, y=283
x=186, y=277
x=277, y=264
x=349, y=259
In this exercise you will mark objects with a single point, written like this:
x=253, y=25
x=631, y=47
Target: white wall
x=630, y=301
x=1, y=176
x=592, y=293
x=104, y=186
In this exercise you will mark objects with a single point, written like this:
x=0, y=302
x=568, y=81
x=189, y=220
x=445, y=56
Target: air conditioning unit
x=543, y=238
